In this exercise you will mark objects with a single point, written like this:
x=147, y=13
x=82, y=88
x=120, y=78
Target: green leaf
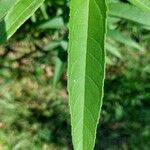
x=86, y=69
x=55, y=23
x=16, y=16
x=59, y=68
x=142, y=4
x=43, y=10
x=5, y=5
x=129, y=12
x=120, y=37
x=113, y=50
x=51, y=45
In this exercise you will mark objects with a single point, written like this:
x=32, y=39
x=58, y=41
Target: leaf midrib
x=86, y=53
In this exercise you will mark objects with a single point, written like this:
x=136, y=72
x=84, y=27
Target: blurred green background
x=34, y=113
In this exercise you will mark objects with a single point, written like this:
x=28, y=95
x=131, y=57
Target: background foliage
x=33, y=97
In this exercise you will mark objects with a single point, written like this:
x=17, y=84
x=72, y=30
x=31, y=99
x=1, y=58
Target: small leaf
x=51, y=45
x=119, y=37
x=59, y=68
x=86, y=69
x=55, y=23
x=113, y=50
x=43, y=10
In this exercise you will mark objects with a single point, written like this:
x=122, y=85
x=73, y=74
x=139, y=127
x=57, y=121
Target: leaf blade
x=5, y=5
x=124, y=39
x=134, y=14
x=86, y=53
x=16, y=17
x=142, y=4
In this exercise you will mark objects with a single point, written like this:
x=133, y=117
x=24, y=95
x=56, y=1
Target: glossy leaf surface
x=86, y=69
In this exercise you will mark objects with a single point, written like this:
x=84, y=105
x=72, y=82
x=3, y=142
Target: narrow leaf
x=129, y=12
x=113, y=50
x=16, y=17
x=59, y=68
x=142, y=4
x=55, y=23
x=86, y=69
x=120, y=37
